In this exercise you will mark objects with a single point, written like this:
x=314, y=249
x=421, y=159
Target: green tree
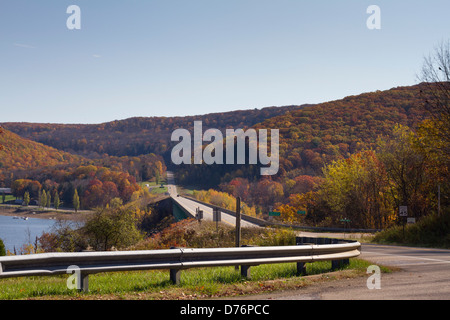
x=43, y=199
x=76, y=201
x=26, y=198
x=157, y=177
x=2, y=248
x=56, y=201
x=354, y=189
x=109, y=228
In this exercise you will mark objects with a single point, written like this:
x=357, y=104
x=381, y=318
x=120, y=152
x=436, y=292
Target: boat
x=25, y=218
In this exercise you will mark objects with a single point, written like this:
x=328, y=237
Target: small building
x=5, y=191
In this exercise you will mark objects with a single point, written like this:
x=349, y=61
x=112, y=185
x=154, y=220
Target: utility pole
x=238, y=225
x=238, y=222
x=439, y=200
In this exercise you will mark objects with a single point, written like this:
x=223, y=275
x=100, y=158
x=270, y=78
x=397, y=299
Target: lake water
x=17, y=232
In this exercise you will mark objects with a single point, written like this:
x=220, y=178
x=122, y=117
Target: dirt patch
x=35, y=212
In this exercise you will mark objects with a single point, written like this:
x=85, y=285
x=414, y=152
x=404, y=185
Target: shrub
x=2, y=248
x=189, y=233
x=432, y=230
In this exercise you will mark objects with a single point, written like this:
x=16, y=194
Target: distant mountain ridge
x=310, y=135
x=134, y=136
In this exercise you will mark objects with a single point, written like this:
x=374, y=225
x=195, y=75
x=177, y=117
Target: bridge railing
x=264, y=223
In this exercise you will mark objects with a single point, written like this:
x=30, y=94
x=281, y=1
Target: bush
x=2, y=248
x=188, y=233
x=109, y=228
x=432, y=231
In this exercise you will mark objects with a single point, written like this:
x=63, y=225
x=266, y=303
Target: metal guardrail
x=175, y=260
x=264, y=223
x=254, y=220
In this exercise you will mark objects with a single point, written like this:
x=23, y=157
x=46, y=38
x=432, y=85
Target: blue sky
x=189, y=57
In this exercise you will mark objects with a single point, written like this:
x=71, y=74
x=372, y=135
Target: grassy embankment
x=155, y=188
x=430, y=231
x=201, y=283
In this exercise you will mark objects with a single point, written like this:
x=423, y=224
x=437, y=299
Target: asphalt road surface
x=424, y=275
x=191, y=206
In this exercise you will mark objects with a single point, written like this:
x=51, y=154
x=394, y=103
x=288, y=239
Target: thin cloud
x=22, y=45
x=97, y=56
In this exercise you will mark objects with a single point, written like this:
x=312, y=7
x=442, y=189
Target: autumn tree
x=20, y=186
x=267, y=193
x=406, y=171
x=1, y=131
x=296, y=209
x=434, y=133
x=353, y=189
x=436, y=76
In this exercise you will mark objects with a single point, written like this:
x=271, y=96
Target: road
x=191, y=206
x=424, y=274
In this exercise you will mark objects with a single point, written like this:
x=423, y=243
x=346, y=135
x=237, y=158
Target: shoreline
x=39, y=213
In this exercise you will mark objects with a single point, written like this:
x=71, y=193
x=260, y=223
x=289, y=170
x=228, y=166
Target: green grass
x=152, y=183
x=194, y=283
x=156, y=187
x=7, y=198
x=159, y=190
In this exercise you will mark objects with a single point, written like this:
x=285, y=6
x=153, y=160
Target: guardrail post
x=83, y=282
x=175, y=276
x=245, y=272
x=301, y=269
x=337, y=264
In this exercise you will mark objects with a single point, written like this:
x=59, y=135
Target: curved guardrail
x=175, y=260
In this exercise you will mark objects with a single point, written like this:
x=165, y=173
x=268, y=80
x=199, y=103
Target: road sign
x=274, y=214
x=199, y=214
x=410, y=220
x=301, y=212
x=217, y=215
x=403, y=211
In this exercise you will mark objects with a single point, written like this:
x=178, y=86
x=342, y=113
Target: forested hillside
x=19, y=154
x=337, y=159
x=30, y=167
x=134, y=136
x=315, y=135
x=353, y=161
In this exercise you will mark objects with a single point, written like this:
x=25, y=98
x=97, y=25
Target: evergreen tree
x=49, y=199
x=76, y=201
x=26, y=198
x=56, y=201
x=43, y=199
